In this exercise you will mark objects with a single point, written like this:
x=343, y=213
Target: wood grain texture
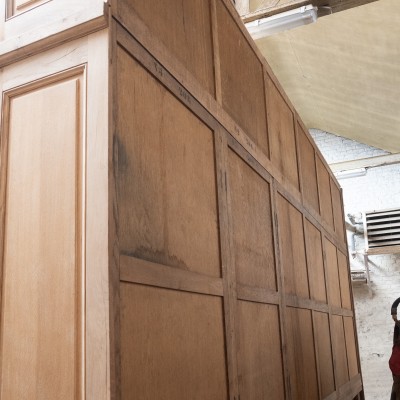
x=172, y=345
x=324, y=191
x=42, y=266
x=135, y=270
x=242, y=80
x=338, y=214
x=351, y=346
x=316, y=273
x=324, y=353
x=339, y=350
x=301, y=354
x=292, y=249
x=97, y=331
x=344, y=280
x=332, y=274
x=308, y=169
x=167, y=204
x=260, y=358
x=282, y=134
x=184, y=27
x=227, y=260
x=252, y=225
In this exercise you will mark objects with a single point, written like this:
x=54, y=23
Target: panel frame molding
x=79, y=74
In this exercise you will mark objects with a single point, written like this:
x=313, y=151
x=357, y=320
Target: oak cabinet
x=168, y=227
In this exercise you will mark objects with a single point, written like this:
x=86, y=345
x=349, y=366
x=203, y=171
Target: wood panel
x=167, y=202
x=291, y=244
x=260, y=356
x=252, y=225
x=332, y=274
x=324, y=191
x=301, y=354
x=172, y=345
x=351, y=346
x=278, y=245
x=338, y=215
x=308, y=169
x=184, y=28
x=344, y=280
x=324, y=353
x=41, y=291
x=316, y=273
x=339, y=343
x=242, y=80
x=282, y=134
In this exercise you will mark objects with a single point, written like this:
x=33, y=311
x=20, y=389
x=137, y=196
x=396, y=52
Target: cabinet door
x=46, y=251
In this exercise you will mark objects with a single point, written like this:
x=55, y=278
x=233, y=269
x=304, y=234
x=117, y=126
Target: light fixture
x=351, y=173
x=281, y=22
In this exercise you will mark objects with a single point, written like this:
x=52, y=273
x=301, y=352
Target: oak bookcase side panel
x=42, y=266
x=281, y=134
x=184, y=27
x=259, y=352
x=324, y=353
x=301, y=354
x=292, y=249
x=172, y=344
x=260, y=240
x=344, y=280
x=338, y=215
x=166, y=182
x=252, y=225
x=351, y=346
x=308, y=169
x=242, y=80
x=332, y=274
x=324, y=191
x=339, y=346
x=315, y=263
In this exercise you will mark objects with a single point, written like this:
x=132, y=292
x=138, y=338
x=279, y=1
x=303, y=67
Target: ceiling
x=342, y=73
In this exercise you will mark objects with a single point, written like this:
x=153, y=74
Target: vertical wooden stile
x=281, y=290
x=228, y=267
x=113, y=243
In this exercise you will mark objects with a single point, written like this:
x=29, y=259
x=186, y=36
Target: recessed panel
x=242, y=79
x=166, y=179
x=308, y=169
x=315, y=262
x=332, y=274
x=259, y=353
x=184, y=28
x=342, y=371
x=324, y=353
x=301, y=354
x=41, y=263
x=252, y=225
x=324, y=191
x=344, y=280
x=291, y=244
x=281, y=132
x=337, y=210
x=351, y=346
x=172, y=345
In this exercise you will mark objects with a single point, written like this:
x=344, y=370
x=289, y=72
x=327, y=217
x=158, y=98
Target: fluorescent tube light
x=281, y=22
x=351, y=173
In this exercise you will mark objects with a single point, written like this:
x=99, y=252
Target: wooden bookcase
x=169, y=229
